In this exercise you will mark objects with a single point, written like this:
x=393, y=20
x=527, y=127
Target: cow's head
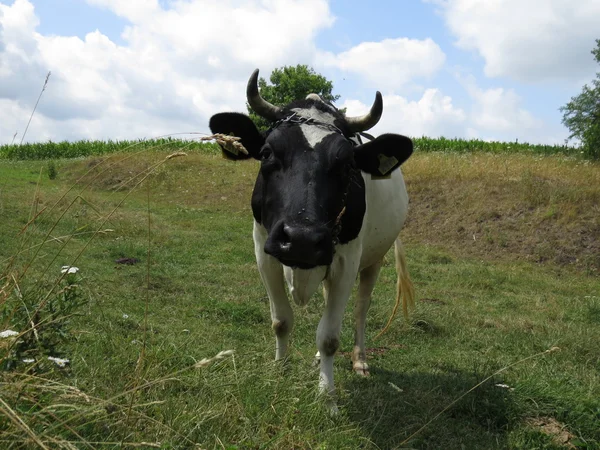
x=309, y=193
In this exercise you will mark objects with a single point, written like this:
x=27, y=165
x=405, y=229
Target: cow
x=327, y=208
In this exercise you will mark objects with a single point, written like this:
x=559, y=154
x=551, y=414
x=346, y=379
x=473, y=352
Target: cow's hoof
x=329, y=398
x=332, y=408
x=361, y=368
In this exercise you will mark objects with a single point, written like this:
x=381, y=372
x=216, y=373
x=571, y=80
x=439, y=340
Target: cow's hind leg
x=368, y=278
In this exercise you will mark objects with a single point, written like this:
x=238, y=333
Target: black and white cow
x=326, y=209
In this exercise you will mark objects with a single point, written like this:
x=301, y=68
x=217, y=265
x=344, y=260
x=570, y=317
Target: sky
x=133, y=69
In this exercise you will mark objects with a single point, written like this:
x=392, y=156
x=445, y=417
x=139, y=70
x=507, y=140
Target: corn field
x=55, y=150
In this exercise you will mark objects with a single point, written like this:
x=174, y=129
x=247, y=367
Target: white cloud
x=498, y=109
x=238, y=34
x=498, y=114
x=533, y=40
x=177, y=66
x=181, y=63
x=493, y=114
x=390, y=63
x=433, y=115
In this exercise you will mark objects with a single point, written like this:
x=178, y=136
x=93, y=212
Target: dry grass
x=197, y=181
x=51, y=409
x=539, y=209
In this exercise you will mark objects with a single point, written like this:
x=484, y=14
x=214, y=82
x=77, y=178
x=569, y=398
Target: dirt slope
x=488, y=206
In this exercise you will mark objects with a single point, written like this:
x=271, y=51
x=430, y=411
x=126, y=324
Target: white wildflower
x=8, y=333
x=69, y=269
x=58, y=361
x=28, y=360
x=125, y=316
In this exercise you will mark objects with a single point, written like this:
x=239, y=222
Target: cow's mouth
x=304, y=265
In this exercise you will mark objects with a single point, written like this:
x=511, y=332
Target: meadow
x=166, y=327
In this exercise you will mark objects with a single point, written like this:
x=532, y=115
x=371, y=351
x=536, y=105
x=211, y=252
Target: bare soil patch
x=553, y=428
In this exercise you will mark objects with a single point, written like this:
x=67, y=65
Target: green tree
x=288, y=84
x=582, y=114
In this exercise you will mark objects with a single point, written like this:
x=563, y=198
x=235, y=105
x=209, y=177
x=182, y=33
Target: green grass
x=196, y=292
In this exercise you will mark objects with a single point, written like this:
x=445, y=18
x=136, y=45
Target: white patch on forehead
x=312, y=133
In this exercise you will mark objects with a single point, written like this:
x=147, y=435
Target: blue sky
x=494, y=70
x=56, y=17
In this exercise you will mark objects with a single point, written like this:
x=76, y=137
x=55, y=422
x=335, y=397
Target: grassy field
x=500, y=248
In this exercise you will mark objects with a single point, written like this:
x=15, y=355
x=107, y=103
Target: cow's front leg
x=338, y=288
x=271, y=272
x=368, y=277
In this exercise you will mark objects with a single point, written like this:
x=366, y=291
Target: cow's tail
x=405, y=288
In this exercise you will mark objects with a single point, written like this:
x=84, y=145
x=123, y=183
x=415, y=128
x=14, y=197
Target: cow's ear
x=381, y=156
x=239, y=125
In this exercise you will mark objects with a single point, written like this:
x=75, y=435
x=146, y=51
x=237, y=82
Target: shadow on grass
x=390, y=406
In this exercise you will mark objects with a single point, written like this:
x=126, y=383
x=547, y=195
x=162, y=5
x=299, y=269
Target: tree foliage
x=582, y=114
x=291, y=83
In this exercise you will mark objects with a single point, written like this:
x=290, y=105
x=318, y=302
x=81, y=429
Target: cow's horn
x=369, y=120
x=258, y=104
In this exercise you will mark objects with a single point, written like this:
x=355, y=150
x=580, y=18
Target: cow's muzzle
x=300, y=246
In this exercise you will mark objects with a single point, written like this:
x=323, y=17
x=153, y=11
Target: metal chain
x=294, y=118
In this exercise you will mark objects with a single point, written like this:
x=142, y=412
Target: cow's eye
x=266, y=153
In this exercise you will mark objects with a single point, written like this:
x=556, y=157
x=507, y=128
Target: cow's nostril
x=287, y=232
x=285, y=239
